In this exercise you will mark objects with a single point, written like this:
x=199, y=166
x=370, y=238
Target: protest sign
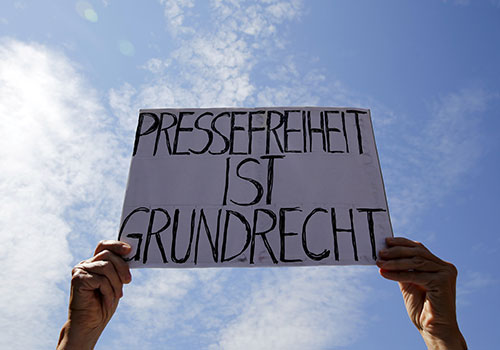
x=243, y=187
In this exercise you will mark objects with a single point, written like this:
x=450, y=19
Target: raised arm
x=96, y=287
x=428, y=285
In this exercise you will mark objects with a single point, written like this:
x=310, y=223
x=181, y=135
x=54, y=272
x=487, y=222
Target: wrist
x=445, y=340
x=73, y=337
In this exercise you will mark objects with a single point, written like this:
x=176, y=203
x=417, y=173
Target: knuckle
x=104, y=254
x=101, y=246
x=77, y=269
x=102, y=264
x=452, y=270
x=77, y=275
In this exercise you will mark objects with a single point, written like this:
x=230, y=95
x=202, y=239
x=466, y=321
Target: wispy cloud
x=463, y=3
x=228, y=62
x=289, y=310
x=174, y=13
x=56, y=153
x=20, y=5
x=63, y=171
x=214, y=61
x=228, y=65
x=439, y=147
x=154, y=305
x=458, y=2
x=241, y=309
x=473, y=282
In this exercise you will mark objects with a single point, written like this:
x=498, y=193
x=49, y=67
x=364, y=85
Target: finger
x=84, y=280
x=416, y=277
x=401, y=252
x=107, y=270
x=401, y=241
x=117, y=247
x=405, y=242
x=416, y=263
x=119, y=264
x=107, y=291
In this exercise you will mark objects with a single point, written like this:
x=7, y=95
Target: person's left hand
x=428, y=287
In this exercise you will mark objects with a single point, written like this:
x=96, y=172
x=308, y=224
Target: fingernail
x=383, y=252
x=126, y=246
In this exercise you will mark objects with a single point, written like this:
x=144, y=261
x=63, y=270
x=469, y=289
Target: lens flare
x=126, y=47
x=86, y=11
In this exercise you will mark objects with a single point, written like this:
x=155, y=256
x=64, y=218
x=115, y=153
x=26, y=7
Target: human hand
x=428, y=285
x=96, y=287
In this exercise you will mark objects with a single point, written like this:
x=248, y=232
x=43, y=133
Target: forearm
x=73, y=337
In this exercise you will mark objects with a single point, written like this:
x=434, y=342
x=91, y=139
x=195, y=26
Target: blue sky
x=74, y=73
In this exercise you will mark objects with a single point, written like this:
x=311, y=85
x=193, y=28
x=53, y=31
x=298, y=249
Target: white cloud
x=215, y=65
x=54, y=128
x=233, y=58
x=155, y=65
x=214, y=61
x=153, y=305
x=57, y=154
x=174, y=13
x=307, y=308
x=240, y=309
x=219, y=65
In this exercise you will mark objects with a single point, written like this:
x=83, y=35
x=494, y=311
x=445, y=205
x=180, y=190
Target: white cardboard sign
x=244, y=187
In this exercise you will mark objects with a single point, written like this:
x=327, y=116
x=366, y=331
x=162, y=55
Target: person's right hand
x=96, y=287
x=428, y=287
